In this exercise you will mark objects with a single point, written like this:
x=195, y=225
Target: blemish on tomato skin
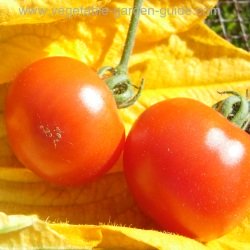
x=46, y=131
x=55, y=135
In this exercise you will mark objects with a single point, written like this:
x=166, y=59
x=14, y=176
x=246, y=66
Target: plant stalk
x=117, y=77
x=130, y=40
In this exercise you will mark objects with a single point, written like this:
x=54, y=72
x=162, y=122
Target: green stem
x=235, y=108
x=117, y=77
x=130, y=40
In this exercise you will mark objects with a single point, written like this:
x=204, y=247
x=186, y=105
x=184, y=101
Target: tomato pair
x=186, y=165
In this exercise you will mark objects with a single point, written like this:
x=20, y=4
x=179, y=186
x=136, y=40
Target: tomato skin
x=62, y=121
x=188, y=168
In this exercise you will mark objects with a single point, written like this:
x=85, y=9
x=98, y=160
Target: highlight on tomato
x=188, y=168
x=62, y=121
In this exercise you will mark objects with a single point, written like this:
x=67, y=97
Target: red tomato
x=189, y=168
x=62, y=121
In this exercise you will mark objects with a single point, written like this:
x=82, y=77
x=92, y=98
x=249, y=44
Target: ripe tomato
x=62, y=121
x=188, y=168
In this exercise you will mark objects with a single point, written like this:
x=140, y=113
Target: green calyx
x=117, y=79
x=120, y=85
x=236, y=109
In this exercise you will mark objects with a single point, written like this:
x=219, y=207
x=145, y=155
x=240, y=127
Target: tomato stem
x=117, y=77
x=130, y=40
x=236, y=109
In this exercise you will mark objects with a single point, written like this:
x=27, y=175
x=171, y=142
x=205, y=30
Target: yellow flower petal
x=96, y=40
x=195, y=57
x=239, y=238
x=28, y=232
x=112, y=237
x=105, y=201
